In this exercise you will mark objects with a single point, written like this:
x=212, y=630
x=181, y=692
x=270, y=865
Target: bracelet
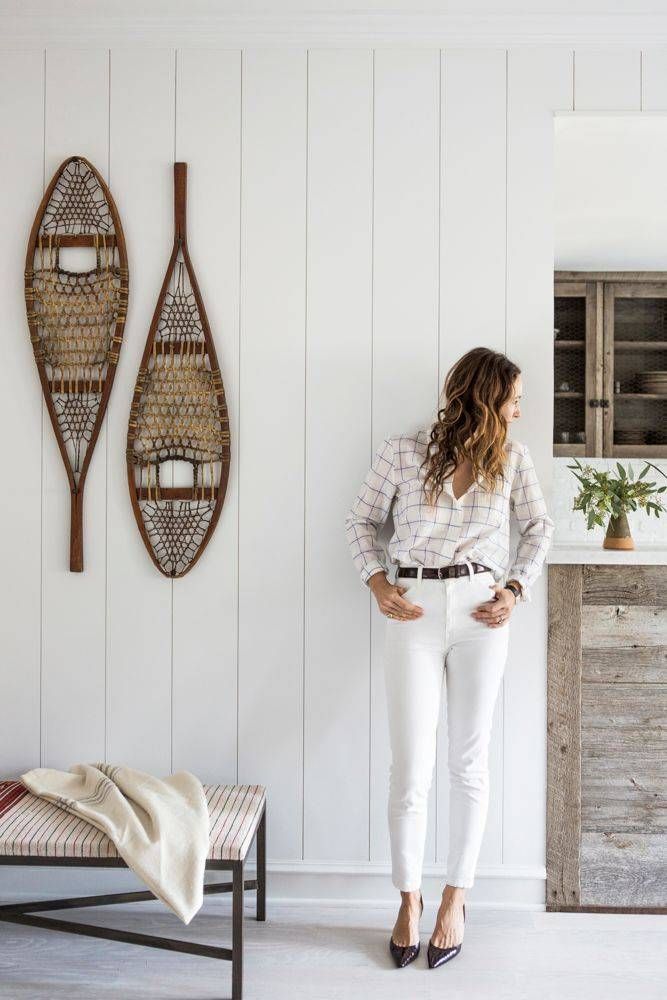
x=515, y=590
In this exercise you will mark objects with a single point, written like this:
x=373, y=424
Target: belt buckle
x=440, y=569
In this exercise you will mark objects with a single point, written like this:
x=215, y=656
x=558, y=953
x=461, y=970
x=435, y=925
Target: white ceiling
x=441, y=23
x=192, y=8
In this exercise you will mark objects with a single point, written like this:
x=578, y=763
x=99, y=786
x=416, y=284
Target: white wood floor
x=314, y=952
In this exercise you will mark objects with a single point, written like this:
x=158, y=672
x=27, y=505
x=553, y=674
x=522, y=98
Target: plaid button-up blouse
x=475, y=527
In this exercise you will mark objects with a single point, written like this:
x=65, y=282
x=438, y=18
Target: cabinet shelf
x=572, y=449
x=638, y=450
x=640, y=345
x=641, y=395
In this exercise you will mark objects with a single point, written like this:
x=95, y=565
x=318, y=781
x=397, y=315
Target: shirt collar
x=447, y=486
x=478, y=483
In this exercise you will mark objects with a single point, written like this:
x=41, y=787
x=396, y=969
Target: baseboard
x=322, y=883
x=367, y=883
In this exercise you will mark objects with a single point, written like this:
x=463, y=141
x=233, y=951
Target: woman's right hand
x=389, y=600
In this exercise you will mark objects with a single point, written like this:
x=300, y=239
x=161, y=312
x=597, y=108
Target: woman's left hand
x=496, y=612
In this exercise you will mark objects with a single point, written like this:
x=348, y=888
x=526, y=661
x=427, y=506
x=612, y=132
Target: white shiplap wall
x=357, y=219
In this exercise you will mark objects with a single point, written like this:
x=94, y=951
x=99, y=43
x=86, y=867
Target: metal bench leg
x=237, y=932
x=261, y=867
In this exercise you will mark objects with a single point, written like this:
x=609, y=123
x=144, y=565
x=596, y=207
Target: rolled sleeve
x=369, y=511
x=535, y=526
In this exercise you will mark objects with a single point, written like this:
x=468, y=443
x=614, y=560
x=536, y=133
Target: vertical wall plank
x=271, y=471
x=539, y=82
x=607, y=79
x=73, y=691
x=139, y=597
x=205, y=600
x=473, y=234
x=654, y=78
x=405, y=317
x=338, y=431
x=473, y=203
x=22, y=129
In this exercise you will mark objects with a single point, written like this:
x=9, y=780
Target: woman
x=452, y=490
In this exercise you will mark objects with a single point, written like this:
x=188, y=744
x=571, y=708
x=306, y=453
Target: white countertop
x=592, y=552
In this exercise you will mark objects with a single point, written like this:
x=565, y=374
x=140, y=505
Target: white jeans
x=444, y=643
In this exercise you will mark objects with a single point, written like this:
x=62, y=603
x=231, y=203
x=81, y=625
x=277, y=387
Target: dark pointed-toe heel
x=404, y=954
x=438, y=956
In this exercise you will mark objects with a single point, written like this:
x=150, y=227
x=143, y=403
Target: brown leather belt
x=441, y=572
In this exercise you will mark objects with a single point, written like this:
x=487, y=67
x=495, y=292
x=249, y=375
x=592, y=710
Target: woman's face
x=511, y=410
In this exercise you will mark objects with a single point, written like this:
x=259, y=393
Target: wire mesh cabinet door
x=577, y=367
x=635, y=366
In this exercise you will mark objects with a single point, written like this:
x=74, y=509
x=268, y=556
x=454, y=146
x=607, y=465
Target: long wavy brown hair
x=470, y=424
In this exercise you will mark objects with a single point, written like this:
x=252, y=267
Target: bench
x=36, y=832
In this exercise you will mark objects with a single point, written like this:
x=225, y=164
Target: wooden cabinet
x=607, y=738
x=610, y=363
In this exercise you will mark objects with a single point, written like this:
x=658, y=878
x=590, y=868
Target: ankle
x=453, y=895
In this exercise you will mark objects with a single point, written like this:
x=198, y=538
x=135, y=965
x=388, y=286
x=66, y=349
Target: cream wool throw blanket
x=160, y=827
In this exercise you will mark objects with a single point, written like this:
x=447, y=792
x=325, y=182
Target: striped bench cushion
x=32, y=827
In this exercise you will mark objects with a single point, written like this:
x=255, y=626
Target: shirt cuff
x=370, y=569
x=525, y=589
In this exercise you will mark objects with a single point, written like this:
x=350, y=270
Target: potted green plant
x=604, y=495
